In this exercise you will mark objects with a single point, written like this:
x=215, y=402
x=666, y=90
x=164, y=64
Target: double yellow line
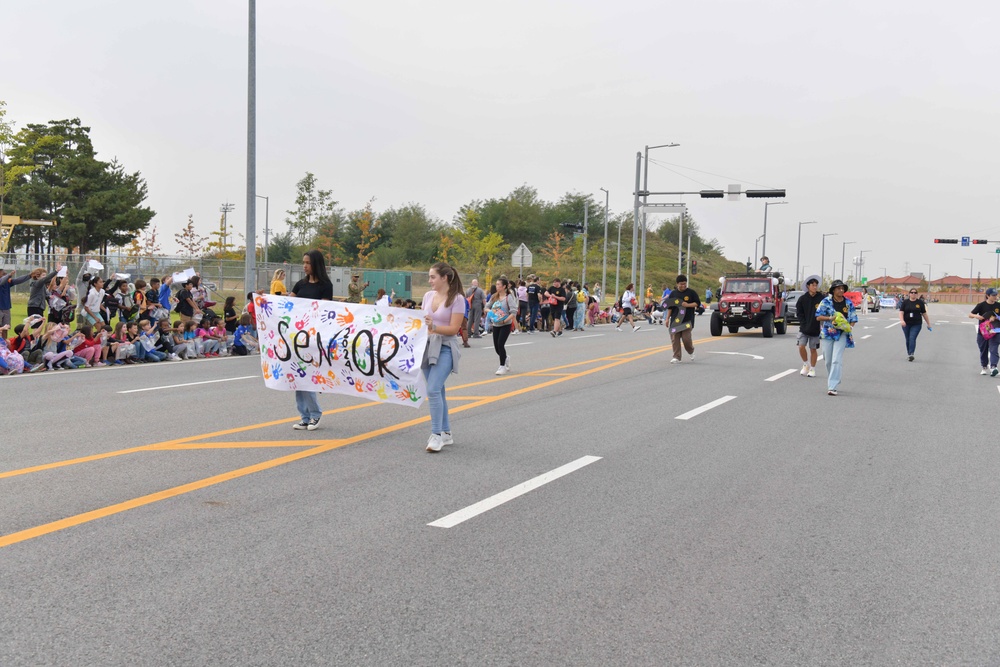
x=311, y=448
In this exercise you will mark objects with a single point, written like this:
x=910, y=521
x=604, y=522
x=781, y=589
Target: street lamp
x=766, y=204
x=861, y=265
x=757, y=241
x=798, y=248
x=822, y=259
x=604, y=271
x=843, y=256
x=928, y=277
x=969, y=259
x=645, y=198
x=267, y=206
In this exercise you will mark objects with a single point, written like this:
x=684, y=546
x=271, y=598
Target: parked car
x=790, y=299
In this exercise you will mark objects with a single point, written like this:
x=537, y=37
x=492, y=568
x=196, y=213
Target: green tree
x=410, y=233
x=282, y=247
x=313, y=208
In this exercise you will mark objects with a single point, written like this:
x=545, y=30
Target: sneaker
x=831, y=392
x=994, y=371
x=313, y=424
x=560, y=333
x=435, y=442
x=805, y=369
x=811, y=373
x=618, y=329
x=507, y=363
x=553, y=333
x=910, y=357
x=446, y=439
x=675, y=360
x=634, y=329
x=530, y=331
x=984, y=371
x=501, y=371
x=302, y=425
x=174, y=357
x=691, y=357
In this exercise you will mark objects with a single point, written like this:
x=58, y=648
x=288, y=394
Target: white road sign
x=522, y=256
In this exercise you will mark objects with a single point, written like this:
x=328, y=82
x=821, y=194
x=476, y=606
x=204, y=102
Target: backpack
x=581, y=297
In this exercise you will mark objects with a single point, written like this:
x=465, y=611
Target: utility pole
x=635, y=215
x=250, y=269
x=586, y=212
x=604, y=269
x=226, y=209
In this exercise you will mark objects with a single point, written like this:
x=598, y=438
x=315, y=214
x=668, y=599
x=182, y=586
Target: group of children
x=39, y=344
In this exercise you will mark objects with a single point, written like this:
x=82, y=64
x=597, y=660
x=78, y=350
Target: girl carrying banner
x=315, y=285
x=444, y=310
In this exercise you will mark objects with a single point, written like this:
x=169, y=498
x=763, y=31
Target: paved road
x=147, y=523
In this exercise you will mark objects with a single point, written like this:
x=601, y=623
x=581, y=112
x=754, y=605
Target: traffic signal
x=764, y=193
x=712, y=194
x=979, y=241
x=945, y=240
x=749, y=267
x=694, y=266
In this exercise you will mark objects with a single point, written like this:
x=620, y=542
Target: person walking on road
x=501, y=313
x=628, y=303
x=477, y=302
x=443, y=312
x=805, y=310
x=910, y=314
x=315, y=285
x=836, y=316
x=682, y=305
x=988, y=312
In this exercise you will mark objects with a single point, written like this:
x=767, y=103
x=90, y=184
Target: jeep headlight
x=723, y=306
x=755, y=305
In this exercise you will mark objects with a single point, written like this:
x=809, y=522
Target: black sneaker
x=313, y=424
x=301, y=426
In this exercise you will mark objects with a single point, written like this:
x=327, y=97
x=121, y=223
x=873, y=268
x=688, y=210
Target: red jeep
x=750, y=300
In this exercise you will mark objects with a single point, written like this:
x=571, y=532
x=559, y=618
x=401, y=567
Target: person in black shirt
x=557, y=299
x=681, y=306
x=808, y=342
x=315, y=285
x=987, y=311
x=534, y=292
x=910, y=313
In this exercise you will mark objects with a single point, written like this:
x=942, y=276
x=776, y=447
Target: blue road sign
x=965, y=241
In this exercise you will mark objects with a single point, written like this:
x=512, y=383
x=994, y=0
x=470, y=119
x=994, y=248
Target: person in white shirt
x=382, y=299
x=95, y=301
x=628, y=303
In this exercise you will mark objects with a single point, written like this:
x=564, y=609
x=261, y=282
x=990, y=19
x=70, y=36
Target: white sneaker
x=501, y=371
x=675, y=361
x=435, y=443
x=985, y=371
x=634, y=329
x=446, y=439
x=618, y=329
x=506, y=364
x=691, y=357
x=811, y=373
x=805, y=369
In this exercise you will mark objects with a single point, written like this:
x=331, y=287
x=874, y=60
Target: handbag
x=552, y=301
x=986, y=330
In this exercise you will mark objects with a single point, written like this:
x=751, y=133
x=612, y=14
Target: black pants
x=32, y=310
x=500, y=335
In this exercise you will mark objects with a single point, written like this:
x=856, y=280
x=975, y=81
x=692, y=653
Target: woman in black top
x=232, y=317
x=910, y=313
x=987, y=311
x=315, y=285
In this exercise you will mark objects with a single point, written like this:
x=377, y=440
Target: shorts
x=805, y=340
x=555, y=312
x=626, y=311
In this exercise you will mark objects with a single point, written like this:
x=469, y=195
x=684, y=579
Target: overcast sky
x=880, y=118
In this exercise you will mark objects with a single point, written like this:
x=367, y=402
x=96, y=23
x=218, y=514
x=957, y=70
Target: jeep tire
x=782, y=326
x=767, y=324
x=715, y=326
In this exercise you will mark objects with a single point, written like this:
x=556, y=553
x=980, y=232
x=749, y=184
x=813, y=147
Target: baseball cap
x=991, y=292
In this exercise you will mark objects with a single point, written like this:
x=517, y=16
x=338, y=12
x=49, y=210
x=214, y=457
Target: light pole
x=861, y=265
x=802, y=275
x=969, y=259
x=885, y=278
x=635, y=215
x=843, y=256
x=763, y=250
x=250, y=268
x=928, y=277
x=834, y=272
x=586, y=213
x=618, y=260
x=822, y=259
x=755, y=244
x=604, y=271
x=267, y=206
x=798, y=248
x=645, y=199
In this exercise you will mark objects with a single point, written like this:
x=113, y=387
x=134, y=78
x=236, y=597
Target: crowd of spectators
x=92, y=321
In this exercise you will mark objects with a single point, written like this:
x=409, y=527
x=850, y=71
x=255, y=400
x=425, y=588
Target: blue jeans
x=833, y=355
x=153, y=355
x=533, y=316
x=307, y=405
x=436, y=376
x=910, y=332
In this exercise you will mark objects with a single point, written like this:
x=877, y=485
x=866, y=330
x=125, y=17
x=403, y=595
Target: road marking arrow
x=741, y=354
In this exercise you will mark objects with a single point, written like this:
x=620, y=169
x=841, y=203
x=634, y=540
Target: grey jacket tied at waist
x=433, y=350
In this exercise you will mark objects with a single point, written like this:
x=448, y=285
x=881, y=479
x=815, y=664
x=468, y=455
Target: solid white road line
x=188, y=384
x=740, y=354
x=781, y=375
x=587, y=336
x=705, y=408
x=896, y=323
x=486, y=505
x=868, y=336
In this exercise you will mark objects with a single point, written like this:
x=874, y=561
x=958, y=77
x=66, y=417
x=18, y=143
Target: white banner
x=367, y=351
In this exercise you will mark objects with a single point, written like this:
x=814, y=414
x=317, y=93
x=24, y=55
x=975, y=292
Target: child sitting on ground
x=244, y=342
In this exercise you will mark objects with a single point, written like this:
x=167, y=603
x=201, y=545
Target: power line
x=730, y=178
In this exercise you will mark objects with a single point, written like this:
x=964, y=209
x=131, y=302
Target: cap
x=991, y=292
x=838, y=283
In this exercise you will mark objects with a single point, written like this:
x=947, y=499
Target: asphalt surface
x=781, y=527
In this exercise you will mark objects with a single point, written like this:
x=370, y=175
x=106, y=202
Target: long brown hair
x=448, y=272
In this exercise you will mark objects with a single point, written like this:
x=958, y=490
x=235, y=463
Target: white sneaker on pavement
x=675, y=360
x=435, y=443
x=805, y=369
x=446, y=439
x=506, y=364
x=811, y=373
x=985, y=371
x=501, y=371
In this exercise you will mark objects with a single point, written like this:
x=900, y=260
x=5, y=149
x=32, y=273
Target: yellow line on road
x=242, y=445
x=100, y=513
